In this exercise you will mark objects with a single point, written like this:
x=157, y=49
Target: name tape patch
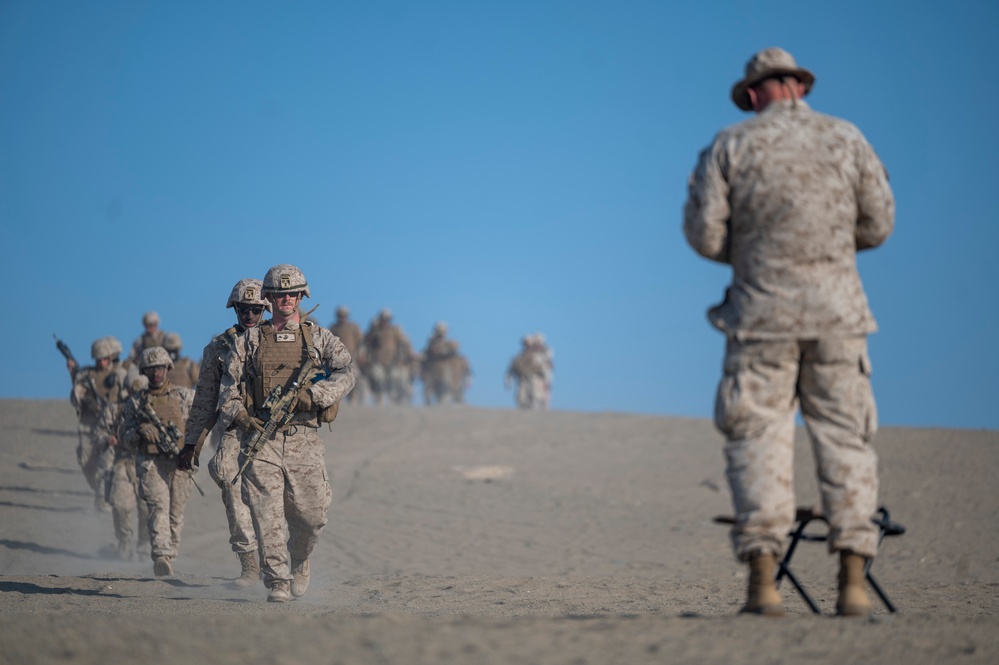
x=285, y=336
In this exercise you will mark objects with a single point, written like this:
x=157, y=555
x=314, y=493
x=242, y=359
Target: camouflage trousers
x=289, y=494
x=222, y=468
x=165, y=491
x=532, y=393
x=126, y=507
x=393, y=382
x=764, y=384
x=95, y=460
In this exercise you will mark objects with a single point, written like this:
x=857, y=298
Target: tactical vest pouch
x=328, y=414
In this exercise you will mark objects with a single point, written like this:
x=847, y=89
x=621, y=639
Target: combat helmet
x=285, y=278
x=155, y=356
x=342, y=311
x=440, y=328
x=150, y=318
x=105, y=347
x=249, y=292
x=172, y=342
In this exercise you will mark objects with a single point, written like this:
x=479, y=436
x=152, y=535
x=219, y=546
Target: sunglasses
x=249, y=309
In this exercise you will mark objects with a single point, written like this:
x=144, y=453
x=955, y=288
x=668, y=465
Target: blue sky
x=507, y=167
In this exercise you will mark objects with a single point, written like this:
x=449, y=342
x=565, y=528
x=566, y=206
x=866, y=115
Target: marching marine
x=352, y=337
x=127, y=507
x=152, y=336
x=303, y=371
x=532, y=370
x=391, y=362
x=246, y=299
x=445, y=371
x=153, y=423
x=94, y=387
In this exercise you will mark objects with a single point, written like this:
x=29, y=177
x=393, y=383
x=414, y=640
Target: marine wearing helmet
x=248, y=292
x=285, y=278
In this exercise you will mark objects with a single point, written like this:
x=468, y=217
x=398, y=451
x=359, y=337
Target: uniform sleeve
x=230, y=403
x=79, y=390
x=707, y=211
x=204, y=408
x=128, y=430
x=875, y=202
x=338, y=365
x=186, y=399
x=106, y=423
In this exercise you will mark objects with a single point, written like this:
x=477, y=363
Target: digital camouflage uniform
x=389, y=367
x=185, y=372
x=787, y=198
x=287, y=484
x=352, y=337
x=162, y=486
x=531, y=369
x=127, y=509
x=443, y=369
x=92, y=390
x=225, y=462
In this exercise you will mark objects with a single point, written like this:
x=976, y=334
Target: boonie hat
x=769, y=62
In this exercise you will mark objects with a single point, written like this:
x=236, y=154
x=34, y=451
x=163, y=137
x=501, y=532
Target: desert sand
x=469, y=535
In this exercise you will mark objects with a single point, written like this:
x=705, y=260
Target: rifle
x=66, y=353
x=63, y=349
x=169, y=436
x=279, y=408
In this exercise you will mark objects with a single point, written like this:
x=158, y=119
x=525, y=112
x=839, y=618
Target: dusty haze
x=466, y=535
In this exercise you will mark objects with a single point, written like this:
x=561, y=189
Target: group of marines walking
x=786, y=198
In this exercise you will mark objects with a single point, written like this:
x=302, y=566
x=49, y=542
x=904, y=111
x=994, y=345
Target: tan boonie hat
x=769, y=62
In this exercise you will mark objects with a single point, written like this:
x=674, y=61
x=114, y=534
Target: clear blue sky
x=507, y=167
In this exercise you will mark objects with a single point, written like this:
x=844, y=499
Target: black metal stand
x=805, y=516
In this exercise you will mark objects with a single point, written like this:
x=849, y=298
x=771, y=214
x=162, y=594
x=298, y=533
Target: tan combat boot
x=853, y=600
x=250, y=573
x=764, y=599
x=162, y=567
x=300, y=578
x=280, y=593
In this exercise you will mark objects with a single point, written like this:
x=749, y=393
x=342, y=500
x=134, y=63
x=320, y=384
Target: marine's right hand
x=187, y=458
x=149, y=433
x=248, y=424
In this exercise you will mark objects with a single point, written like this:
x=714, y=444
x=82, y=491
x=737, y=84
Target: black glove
x=187, y=459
